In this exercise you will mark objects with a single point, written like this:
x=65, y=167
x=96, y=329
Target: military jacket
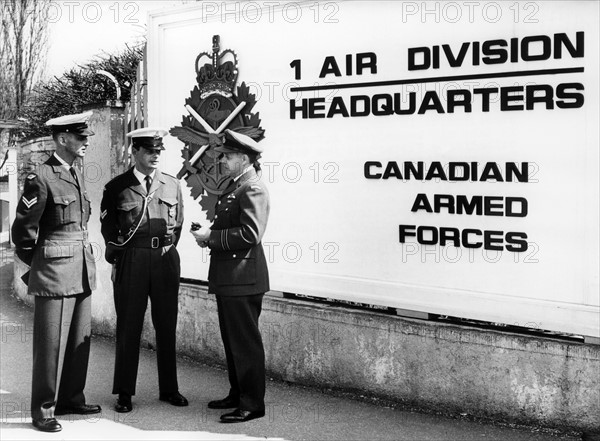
x=237, y=264
x=122, y=205
x=50, y=232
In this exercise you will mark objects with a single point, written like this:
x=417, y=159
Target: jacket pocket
x=58, y=251
x=234, y=270
x=169, y=209
x=65, y=208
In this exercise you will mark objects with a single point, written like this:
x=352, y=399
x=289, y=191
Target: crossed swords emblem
x=209, y=129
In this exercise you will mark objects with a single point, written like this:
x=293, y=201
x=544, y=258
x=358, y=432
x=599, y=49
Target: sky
x=81, y=30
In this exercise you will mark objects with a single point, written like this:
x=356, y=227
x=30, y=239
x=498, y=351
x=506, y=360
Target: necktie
x=148, y=183
x=74, y=174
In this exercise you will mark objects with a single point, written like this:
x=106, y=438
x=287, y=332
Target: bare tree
x=23, y=48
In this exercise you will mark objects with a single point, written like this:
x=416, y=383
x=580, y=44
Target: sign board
x=432, y=156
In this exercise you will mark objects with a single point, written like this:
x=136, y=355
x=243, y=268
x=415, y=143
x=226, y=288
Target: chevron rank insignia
x=29, y=202
x=103, y=214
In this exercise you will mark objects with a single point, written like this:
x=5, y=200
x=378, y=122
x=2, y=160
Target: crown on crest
x=220, y=74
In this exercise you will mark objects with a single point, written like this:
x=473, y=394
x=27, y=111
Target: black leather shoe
x=241, y=416
x=225, y=403
x=123, y=404
x=175, y=398
x=47, y=425
x=84, y=409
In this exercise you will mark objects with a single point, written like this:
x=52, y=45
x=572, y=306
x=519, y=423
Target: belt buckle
x=154, y=242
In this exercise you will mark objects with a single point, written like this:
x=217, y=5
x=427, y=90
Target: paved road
x=293, y=413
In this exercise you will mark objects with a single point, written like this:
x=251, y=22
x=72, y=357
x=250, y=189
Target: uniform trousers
x=61, y=349
x=238, y=321
x=144, y=273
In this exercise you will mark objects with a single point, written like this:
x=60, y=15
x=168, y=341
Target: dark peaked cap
x=238, y=142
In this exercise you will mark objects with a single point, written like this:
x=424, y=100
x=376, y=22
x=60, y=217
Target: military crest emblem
x=215, y=104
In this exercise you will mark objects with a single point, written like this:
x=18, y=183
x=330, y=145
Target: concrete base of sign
x=413, y=314
x=592, y=340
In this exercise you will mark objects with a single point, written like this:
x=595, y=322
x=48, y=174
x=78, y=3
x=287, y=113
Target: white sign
x=433, y=156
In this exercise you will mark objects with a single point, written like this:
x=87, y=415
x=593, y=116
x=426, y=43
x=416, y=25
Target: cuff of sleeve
x=219, y=240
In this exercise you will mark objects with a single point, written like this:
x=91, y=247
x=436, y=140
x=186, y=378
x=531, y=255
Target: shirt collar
x=242, y=173
x=63, y=163
x=142, y=177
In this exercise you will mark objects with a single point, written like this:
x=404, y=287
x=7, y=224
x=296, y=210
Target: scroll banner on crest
x=431, y=156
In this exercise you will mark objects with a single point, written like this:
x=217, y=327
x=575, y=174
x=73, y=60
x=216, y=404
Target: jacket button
x=216, y=216
x=219, y=203
x=235, y=255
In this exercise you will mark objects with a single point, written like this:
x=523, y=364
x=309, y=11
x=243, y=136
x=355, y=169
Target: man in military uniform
x=50, y=235
x=141, y=216
x=238, y=275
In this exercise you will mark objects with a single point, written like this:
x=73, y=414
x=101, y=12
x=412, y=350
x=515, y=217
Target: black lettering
x=421, y=203
x=491, y=208
x=427, y=229
x=443, y=201
x=546, y=48
x=505, y=98
x=302, y=108
x=366, y=60
x=436, y=171
x=409, y=169
x=514, y=50
x=492, y=243
x=413, y=64
x=382, y=109
x=330, y=66
x=494, y=55
x=546, y=96
x=431, y=101
x=465, y=238
x=412, y=104
x=459, y=98
x=392, y=170
x=435, y=57
x=458, y=61
x=314, y=105
x=516, y=242
x=485, y=97
x=512, y=170
x=406, y=231
x=491, y=171
x=449, y=235
x=508, y=204
x=367, y=170
x=366, y=102
x=463, y=205
x=337, y=107
x=475, y=51
x=562, y=39
x=453, y=168
x=563, y=94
